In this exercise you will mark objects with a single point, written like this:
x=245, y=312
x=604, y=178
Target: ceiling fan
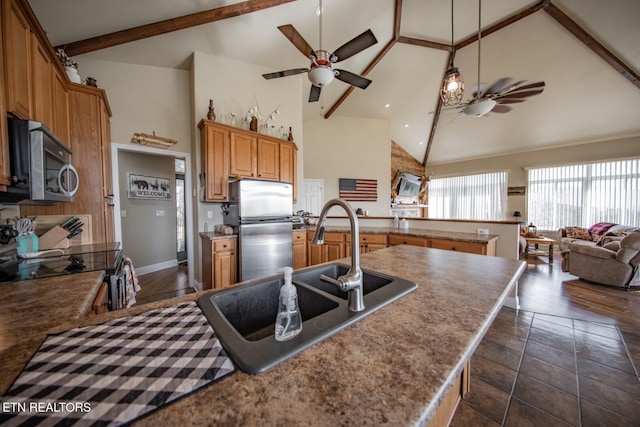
x=321, y=72
x=502, y=91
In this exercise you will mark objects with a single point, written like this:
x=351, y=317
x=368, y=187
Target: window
x=478, y=197
x=581, y=195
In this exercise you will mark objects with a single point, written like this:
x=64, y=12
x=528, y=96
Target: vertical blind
x=581, y=195
x=478, y=197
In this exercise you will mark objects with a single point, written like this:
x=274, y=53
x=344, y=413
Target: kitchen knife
x=75, y=226
x=70, y=225
x=74, y=233
x=68, y=222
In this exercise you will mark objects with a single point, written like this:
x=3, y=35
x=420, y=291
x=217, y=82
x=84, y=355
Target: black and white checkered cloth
x=112, y=373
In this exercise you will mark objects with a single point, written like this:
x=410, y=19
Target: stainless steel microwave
x=41, y=169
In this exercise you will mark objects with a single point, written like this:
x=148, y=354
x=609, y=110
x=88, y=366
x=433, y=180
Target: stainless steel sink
x=244, y=316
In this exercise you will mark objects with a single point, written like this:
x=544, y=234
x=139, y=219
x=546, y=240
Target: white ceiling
x=584, y=100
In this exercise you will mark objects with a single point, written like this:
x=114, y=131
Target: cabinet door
x=4, y=144
x=316, y=254
x=243, y=155
x=107, y=183
x=268, y=159
x=41, y=83
x=299, y=249
x=224, y=269
x=215, y=162
x=287, y=172
x=60, y=97
x=16, y=35
x=335, y=250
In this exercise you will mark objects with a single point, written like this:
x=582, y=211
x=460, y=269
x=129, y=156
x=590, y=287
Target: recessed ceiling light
x=387, y=105
x=406, y=125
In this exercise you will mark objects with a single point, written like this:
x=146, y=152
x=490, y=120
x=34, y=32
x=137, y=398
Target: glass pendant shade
x=452, y=87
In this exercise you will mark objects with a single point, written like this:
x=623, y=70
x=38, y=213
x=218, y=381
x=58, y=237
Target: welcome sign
x=148, y=187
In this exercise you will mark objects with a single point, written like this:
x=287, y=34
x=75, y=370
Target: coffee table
x=535, y=241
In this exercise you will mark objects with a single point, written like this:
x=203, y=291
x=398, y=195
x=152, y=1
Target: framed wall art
x=148, y=187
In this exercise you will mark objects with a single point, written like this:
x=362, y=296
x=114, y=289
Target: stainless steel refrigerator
x=262, y=213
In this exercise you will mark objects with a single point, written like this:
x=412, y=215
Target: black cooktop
x=14, y=269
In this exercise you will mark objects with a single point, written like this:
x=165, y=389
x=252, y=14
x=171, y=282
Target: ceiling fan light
x=479, y=108
x=452, y=87
x=320, y=75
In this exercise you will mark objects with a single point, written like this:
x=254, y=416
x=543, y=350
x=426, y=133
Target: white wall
x=144, y=99
x=347, y=147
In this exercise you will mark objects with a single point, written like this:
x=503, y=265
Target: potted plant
x=70, y=66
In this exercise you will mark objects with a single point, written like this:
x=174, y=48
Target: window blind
x=477, y=197
x=581, y=195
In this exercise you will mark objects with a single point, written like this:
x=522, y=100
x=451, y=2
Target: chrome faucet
x=352, y=281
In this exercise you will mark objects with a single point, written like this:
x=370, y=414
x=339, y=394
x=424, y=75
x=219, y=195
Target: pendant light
x=452, y=84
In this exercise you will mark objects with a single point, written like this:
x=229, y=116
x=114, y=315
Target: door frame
x=115, y=148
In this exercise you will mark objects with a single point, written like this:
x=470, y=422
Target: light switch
x=209, y=214
x=159, y=213
x=123, y=213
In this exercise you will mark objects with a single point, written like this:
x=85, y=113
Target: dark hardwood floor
x=569, y=356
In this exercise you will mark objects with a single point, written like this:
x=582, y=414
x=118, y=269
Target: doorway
x=181, y=218
x=187, y=204
x=313, y=195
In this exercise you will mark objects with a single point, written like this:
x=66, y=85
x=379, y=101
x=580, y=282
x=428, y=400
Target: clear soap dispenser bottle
x=288, y=321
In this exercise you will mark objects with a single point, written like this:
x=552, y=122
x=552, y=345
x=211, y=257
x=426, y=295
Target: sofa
x=616, y=263
x=598, y=234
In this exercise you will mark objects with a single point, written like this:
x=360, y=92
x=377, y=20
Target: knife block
x=56, y=238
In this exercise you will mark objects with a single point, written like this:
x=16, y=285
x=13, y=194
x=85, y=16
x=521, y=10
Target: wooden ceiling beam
x=604, y=53
x=167, y=26
x=425, y=43
x=396, y=34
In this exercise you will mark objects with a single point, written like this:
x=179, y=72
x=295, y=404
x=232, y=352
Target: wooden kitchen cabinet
x=41, y=83
x=214, y=145
x=60, y=102
x=227, y=151
x=470, y=247
x=100, y=303
x=369, y=242
x=332, y=249
x=16, y=39
x=399, y=239
x=299, y=249
x=5, y=169
x=219, y=262
x=268, y=159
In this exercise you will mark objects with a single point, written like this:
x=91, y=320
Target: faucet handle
x=336, y=282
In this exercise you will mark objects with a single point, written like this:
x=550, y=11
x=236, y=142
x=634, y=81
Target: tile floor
x=535, y=369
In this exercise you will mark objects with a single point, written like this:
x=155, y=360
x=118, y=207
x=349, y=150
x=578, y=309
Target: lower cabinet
x=449, y=245
x=219, y=263
x=332, y=249
x=299, y=249
x=368, y=243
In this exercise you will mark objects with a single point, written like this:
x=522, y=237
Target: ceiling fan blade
x=497, y=85
x=298, y=41
x=314, y=93
x=509, y=101
x=355, y=45
x=285, y=73
x=352, y=79
x=518, y=95
x=527, y=87
x=501, y=109
x=474, y=89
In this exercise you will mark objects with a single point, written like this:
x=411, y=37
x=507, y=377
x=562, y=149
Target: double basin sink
x=243, y=317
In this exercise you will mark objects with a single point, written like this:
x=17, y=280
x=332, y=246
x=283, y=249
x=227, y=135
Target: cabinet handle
x=224, y=246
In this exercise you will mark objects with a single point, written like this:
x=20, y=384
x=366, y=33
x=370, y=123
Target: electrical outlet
x=209, y=214
x=159, y=213
x=123, y=213
x=483, y=231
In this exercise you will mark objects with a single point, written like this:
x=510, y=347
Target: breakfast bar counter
x=393, y=367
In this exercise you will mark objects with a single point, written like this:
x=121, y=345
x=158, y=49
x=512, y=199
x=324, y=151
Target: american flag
x=360, y=190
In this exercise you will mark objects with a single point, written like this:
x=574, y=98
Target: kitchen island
x=395, y=366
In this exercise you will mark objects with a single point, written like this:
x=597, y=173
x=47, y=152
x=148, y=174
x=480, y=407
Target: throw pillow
x=600, y=227
x=578, y=233
x=612, y=246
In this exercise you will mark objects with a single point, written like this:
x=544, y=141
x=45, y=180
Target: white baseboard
x=155, y=267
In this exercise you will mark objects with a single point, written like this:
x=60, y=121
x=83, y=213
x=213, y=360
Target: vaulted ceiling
x=587, y=52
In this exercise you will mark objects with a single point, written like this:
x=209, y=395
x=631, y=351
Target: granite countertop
x=30, y=309
x=414, y=232
x=391, y=367
x=212, y=235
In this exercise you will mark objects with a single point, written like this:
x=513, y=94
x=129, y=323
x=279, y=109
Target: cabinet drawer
x=224, y=245
x=451, y=245
x=369, y=238
x=395, y=239
x=299, y=236
x=328, y=236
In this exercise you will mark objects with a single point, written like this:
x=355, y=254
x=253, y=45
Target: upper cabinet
x=228, y=151
x=16, y=39
x=36, y=85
